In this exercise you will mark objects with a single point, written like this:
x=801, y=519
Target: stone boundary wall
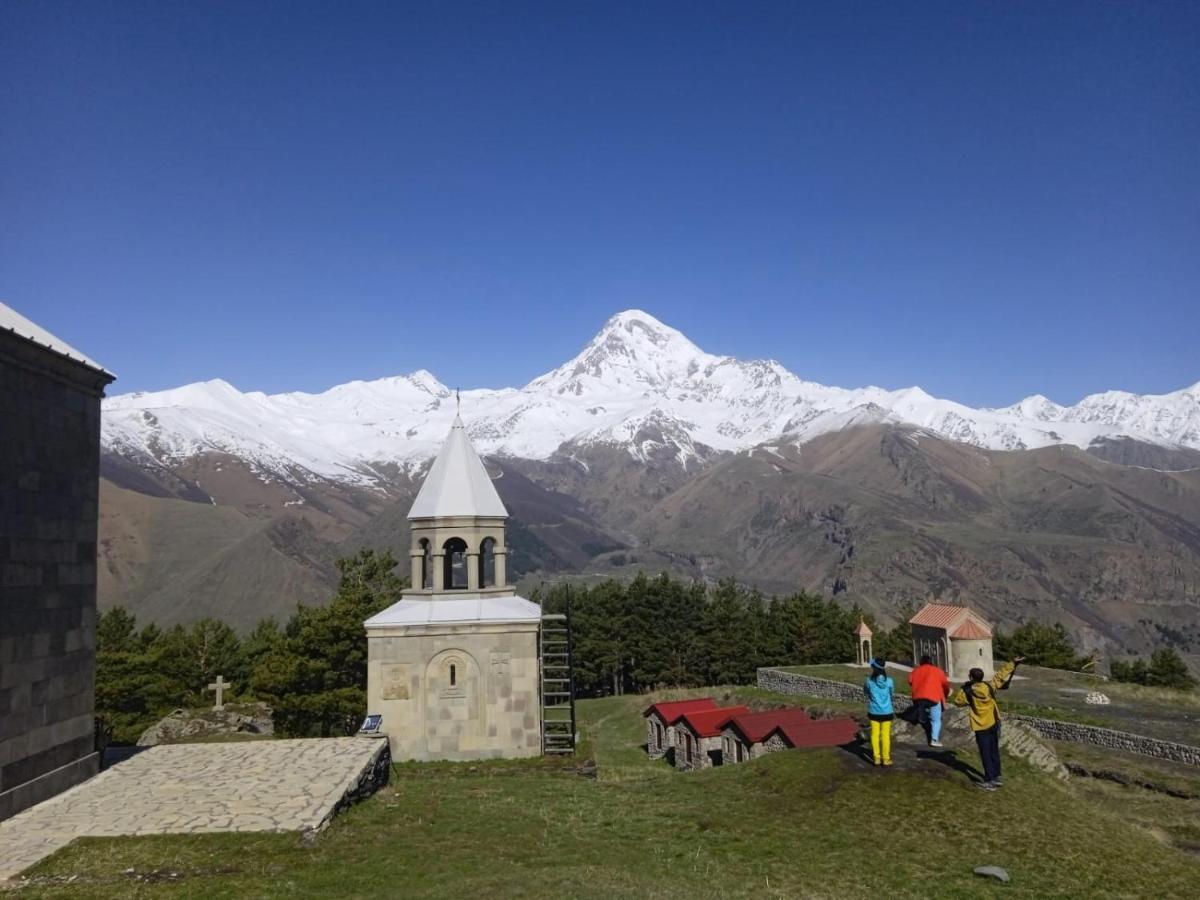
x=1075, y=733
x=809, y=686
x=782, y=682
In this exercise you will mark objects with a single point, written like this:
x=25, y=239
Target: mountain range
x=639, y=385
x=644, y=451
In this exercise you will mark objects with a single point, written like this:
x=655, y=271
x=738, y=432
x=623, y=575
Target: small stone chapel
x=453, y=667
x=955, y=638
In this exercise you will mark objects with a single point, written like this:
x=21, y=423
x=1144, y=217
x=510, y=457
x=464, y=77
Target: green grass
x=1174, y=818
x=1161, y=773
x=815, y=823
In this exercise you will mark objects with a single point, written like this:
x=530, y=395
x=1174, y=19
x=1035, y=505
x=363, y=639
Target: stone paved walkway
x=290, y=785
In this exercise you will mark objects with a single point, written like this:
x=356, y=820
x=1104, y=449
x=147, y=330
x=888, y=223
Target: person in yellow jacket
x=984, y=714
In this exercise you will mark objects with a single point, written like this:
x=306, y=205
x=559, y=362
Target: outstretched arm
x=1003, y=674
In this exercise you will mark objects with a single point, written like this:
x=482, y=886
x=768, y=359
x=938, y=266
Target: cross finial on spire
x=457, y=401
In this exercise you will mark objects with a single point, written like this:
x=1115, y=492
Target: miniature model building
x=956, y=638
x=453, y=667
x=660, y=723
x=698, y=736
x=701, y=734
x=743, y=736
x=49, y=488
x=862, y=644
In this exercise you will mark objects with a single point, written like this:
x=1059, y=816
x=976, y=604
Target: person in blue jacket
x=879, y=689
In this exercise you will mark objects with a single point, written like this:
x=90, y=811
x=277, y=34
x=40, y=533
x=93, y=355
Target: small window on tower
x=453, y=676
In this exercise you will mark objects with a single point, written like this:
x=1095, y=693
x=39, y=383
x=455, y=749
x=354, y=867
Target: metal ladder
x=558, y=684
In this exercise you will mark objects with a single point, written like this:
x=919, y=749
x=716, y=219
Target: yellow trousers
x=881, y=742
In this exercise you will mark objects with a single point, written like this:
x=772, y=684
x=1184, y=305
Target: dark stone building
x=49, y=485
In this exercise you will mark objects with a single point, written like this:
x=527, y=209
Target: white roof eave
x=485, y=611
x=13, y=321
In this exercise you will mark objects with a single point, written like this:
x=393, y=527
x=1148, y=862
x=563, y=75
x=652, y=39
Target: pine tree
x=1041, y=645
x=192, y=657
x=315, y=677
x=1167, y=669
x=725, y=635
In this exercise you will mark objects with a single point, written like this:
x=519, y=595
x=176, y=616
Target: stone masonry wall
x=49, y=485
x=773, y=744
x=656, y=748
x=369, y=780
x=699, y=758
x=1075, y=733
x=491, y=711
x=806, y=685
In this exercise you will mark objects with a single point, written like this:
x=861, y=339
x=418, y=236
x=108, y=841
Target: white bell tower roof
x=457, y=484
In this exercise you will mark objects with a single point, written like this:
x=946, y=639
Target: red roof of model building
x=757, y=725
x=671, y=711
x=822, y=733
x=709, y=722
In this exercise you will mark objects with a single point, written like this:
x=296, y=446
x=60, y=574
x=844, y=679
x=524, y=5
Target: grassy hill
x=798, y=824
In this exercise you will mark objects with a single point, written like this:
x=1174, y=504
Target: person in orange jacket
x=930, y=687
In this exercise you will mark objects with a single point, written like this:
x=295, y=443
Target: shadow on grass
x=860, y=750
x=949, y=758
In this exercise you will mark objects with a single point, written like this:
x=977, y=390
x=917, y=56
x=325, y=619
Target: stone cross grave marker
x=219, y=686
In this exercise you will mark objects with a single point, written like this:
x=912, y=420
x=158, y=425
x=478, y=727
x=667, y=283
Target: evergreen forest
x=629, y=637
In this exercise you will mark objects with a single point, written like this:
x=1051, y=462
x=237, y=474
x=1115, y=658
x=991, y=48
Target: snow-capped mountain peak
x=1033, y=407
x=638, y=384
x=633, y=350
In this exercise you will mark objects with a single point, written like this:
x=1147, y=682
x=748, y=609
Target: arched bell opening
x=454, y=572
x=487, y=562
x=423, y=578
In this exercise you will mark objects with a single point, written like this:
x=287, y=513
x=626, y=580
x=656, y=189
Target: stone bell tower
x=453, y=667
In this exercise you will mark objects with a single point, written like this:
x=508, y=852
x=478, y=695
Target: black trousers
x=989, y=751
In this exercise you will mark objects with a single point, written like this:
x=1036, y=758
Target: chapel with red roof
x=956, y=638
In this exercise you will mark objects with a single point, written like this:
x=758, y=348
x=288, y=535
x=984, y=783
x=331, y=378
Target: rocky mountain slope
x=646, y=452
x=889, y=515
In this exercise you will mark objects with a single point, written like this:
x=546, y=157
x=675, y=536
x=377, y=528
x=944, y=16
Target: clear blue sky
x=986, y=199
